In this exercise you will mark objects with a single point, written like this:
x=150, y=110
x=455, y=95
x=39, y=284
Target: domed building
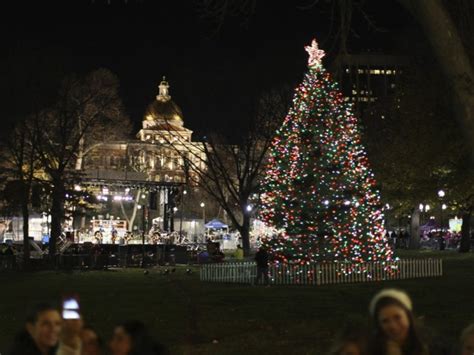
x=154, y=162
x=163, y=109
x=157, y=154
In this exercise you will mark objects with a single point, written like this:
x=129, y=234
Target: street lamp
x=181, y=214
x=423, y=208
x=203, y=206
x=441, y=194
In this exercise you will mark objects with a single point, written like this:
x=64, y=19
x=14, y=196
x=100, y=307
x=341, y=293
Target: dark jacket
x=23, y=344
x=261, y=258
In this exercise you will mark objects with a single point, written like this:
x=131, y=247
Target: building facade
x=162, y=151
x=147, y=172
x=365, y=78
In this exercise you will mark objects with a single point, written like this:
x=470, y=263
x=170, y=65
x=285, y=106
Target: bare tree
x=445, y=35
x=84, y=105
x=19, y=170
x=451, y=52
x=113, y=125
x=228, y=171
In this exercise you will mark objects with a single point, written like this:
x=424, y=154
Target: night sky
x=214, y=78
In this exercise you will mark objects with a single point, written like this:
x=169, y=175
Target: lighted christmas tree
x=319, y=190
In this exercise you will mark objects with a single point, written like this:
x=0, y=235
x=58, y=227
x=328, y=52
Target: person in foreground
x=40, y=336
x=132, y=338
x=350, y=340
x=394, y=330
x=467, y=341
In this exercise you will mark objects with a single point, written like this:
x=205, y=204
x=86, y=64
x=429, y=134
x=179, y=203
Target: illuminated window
x=354, y=92
x=389, y=72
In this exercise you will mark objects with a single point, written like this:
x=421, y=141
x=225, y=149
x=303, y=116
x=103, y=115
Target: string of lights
x=319, y=190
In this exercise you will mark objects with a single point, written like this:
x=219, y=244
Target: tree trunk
x=414, y=242
x=466, y=232
x=244, y=230
x=57, y=213
x=451, y=54
x=131, y=220
x=80, y=148
x=26, y=231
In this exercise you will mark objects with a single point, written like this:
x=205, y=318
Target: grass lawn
x=188, y=315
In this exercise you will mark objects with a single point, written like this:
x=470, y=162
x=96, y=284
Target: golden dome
x=159, y=110
x=163, y=108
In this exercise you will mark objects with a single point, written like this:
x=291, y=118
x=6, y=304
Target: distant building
x=157, y=153
x=158, y=160
x=365, y=78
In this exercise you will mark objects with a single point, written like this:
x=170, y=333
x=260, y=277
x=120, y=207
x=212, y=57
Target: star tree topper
x=315, y=54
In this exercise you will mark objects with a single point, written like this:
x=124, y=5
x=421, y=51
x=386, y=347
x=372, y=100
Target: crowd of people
x=45, y=332
x=393, y=329
x=433, y=239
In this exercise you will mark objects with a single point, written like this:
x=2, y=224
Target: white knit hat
x=399, y=295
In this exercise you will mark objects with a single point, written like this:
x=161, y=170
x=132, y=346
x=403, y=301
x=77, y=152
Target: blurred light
x=139, y=207
x=421, y=207
x=202, y=204
x=249, y=208
x=77, y=187
x=443, y=206
x=175, y=209
x=326, y=202
x=441, y=193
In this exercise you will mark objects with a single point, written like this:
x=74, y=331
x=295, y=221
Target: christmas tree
x=319, y=191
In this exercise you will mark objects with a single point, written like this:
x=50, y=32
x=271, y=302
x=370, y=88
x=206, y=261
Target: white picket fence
x=324, y=273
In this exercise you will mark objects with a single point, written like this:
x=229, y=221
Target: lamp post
x=441, y=194
x=184, y=192
x=423, y=208
x=144, y=228
x=203, y=206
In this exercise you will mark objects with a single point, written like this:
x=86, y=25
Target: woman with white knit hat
x=394, y=330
